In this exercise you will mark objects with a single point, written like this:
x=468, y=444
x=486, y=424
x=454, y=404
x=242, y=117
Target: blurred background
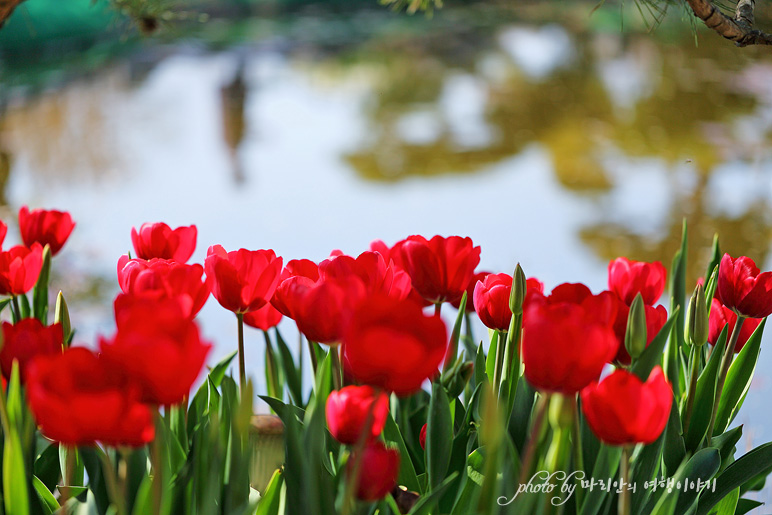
x=552, y=133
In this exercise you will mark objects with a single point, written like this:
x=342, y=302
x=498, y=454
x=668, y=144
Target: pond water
x=556, y=145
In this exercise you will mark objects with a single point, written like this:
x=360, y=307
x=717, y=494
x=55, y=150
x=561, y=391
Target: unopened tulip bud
x=697, y=326
x=517, y=295
x=62, y=316
x=635, y=336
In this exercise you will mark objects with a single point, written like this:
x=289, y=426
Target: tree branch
x=6, y=8
x=740, y=29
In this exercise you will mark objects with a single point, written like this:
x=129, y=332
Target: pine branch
x=6, y=8
x=738, y=29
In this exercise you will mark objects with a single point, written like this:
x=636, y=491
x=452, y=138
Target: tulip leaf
x=646, y=468
x=725, y=443
x=217, y=372
x=47, y=500
x=467, y=497
x=407, y=476
x=675, y=449
x=652, y=355
x=14, y=476
x=702, y=466
x=746, y=505
x=697, y=425
x=293, y=376
x=77, y=470
x=40, y=292
x=47, y=466
x=427, y=502
x=24, y=307
x=752, y=464
x=728, y=504
x=96, y=479
x=606, y=465
x=738, y=379
x=715, y=260
x=439, y=436
x=270, y=502
x=479, y=366
x=452, y=354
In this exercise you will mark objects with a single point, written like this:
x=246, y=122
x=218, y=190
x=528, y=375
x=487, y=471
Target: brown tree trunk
x=6, y=8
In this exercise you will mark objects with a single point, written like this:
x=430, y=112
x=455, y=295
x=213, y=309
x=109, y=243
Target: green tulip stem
x=535, y=435
x=576, y=447
x=15, y=309
x=438, y=308
x=498, y=365
x=337, y=370
x=271, y=372
x=242, y=367
x=312, y=352
x=111, y=481
x=511, y=372
x=623, y=508
x=725, y=362
x=692, y=388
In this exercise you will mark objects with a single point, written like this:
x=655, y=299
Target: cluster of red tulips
x=573, y=347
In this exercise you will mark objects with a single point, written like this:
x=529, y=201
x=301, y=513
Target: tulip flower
x=158, y=240
x=242, y=280
x=376, y=274
x=470, y=308
x=78, y=399
x=623, y=410
x=441, y=268
x=392, y=344
x=627, y=278
x=491, y=301
x=263, y=318
x=160, y=349
x=349, y=409
x=162, y=278
x=45, y=227
x=326, y=307
x=25, y=340
x=19, y=269
x=378, y=471
x=564, y=346
x=422, y=436
x=742, y=288
x=3, y=231
x=720, y=316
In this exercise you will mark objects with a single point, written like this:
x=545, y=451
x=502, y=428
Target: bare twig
x=740, y=29
x=6, y=8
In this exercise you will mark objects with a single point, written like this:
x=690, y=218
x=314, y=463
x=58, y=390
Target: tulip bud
x=697, y=326
x=635, y=336
x=517, y=295
x=62, y=316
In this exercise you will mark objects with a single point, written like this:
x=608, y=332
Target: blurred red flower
x=392, y=344
x=627, y=278
x=742, y=288
x=158, y=240
x=25, y=340
x=46, y=227
x=242, y=280
x=20, y=268
x=378, y=471
x=623, y=410
x=348, y=410
x=78, y=399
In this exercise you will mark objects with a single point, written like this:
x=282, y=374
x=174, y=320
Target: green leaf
x=452, y=353
x=217, y=372
x=652, y=356
x=270, y=503
x=728, y=504
x=490, y=363
x=467, y=498
x=746, y=505
x=675, y=449
x=479, y=366
x=439, y=436
x=62, y=316
x=715, y=260
x=294, y=378
x=407, y=476
x=702, y=466
x=40, y=292
x=14, y=476
x=725, y=443
x=738, y=379
x=47, y=500
x=606, y=465
x=646, y=467
x=704, y=396
x=47, y=466
x=758, y=461
x=426, y=502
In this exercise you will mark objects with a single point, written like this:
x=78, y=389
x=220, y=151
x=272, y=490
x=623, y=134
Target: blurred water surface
x=553, y=139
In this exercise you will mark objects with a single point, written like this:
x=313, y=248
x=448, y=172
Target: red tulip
x=3, y=231
x=376, y=274
x=491, y=301
x=378, y=471
x=627, y=278
x=441, y=268
x=46, y=227
x=78, y=399
x=348, y=410
x=470, y=308
x=162, y=278
x=422, y=436
x=622, y=410
x=298, y=276
x=25, y=340
x=159, y=348
x=601, y=308
x=720, y=316
x=326, y=307
x=242, y=280
x=393, y=344
x=564, y=346
x=742, y=288
x=20, y=268
x=158, y=240
x=263, y=318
